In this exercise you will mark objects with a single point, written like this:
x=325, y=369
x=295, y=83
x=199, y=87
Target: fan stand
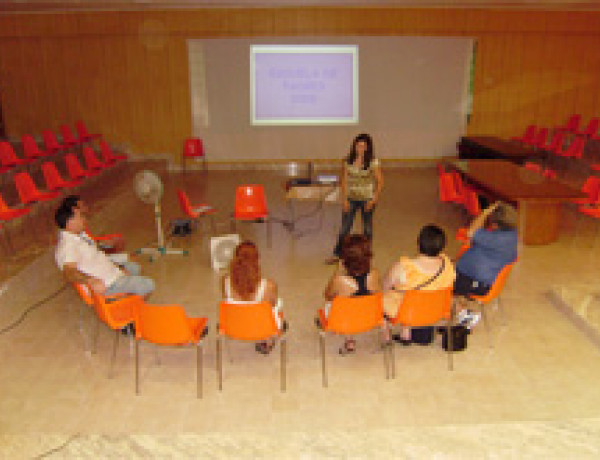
x=161, y=249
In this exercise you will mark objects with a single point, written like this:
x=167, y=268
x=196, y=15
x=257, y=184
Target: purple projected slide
x=304, y=84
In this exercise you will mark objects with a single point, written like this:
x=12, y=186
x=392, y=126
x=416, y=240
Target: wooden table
x=490, y=148
x=538, y=199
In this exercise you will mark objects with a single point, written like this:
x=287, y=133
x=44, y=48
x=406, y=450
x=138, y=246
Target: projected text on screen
x=303, y=84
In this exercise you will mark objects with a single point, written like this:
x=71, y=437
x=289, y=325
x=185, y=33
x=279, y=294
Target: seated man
x=112, y=243
x=493, y=244
x=82, y=262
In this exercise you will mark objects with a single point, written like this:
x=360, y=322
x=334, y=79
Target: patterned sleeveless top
x=361, y=182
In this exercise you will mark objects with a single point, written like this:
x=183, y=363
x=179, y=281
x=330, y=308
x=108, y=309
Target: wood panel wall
x=126, y=73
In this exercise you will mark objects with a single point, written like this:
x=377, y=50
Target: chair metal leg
x=450, y=344
x=501, y=310
x=486, y=324
x=199, y=371
x=137, y=367
x=386, y=365
x=282, y=344
x=268, y=222
x=323, y=364
x=96, y=334
x=219, y=364
x=114, y=354
x=392, y=359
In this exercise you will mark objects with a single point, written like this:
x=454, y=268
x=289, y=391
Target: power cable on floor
x=31, y=308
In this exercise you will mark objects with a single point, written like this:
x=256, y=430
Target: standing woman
x=360, y=185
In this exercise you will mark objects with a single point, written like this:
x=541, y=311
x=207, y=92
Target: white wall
x=412, y=100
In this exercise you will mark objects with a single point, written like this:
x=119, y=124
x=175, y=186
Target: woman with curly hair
x=244, y=284
x=357, y=278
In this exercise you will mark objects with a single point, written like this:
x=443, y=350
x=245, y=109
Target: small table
x=538, y=199
x=314, y=191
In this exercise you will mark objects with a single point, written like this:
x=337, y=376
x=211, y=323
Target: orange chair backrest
x=25, y=187
x=248, y=321
x=540, y=137
x=90, y=158
x=591, y=187
x=575, y=150
x=81, y=129
x=250, y=201
x=529, y=134
x=73, y=165
x=424, y=308
x=447, y=188
x=498, y=285
x=7, y=154
x=30, y=147
x=557, y=142
x=51, y=175
x=67, y=134
x=184, y=201
x=3, y=206
x=472, y=202
x=50, y=140
x=193, y=147
x=355, y=315
x=118, y=313
x=573, y=122
x=164, y=324
x=592, y=127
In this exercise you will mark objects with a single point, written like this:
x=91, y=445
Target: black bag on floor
x=421, y=335
x=459, y=337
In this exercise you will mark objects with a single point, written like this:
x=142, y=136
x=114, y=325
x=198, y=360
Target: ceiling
x=93, y=5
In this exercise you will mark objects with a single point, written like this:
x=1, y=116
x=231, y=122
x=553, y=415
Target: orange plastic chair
x=28, y=192
x=169, y=325
x=422, y=308
x=68, y=139
x=116, y=313
x=251, y=322
x=108, y=155
x=195, y=212
x=54, y=180
x=575, y=149
x=351, y=316
x=91, y=160
x=591, y=130
x=540, y=138
x=493, y=295
x=555, y=145
x=591, y=187
x=74, y=168
x=51, y=144
x=83, y=134
x=251, y=206
x=528, y=136
x=572, y=124
x=193, y=147
x=30, y=148
x=447, y=189
x=8, y=214
x=8, y=157
x=471, y=201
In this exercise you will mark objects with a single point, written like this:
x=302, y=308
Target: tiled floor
x=534, y=393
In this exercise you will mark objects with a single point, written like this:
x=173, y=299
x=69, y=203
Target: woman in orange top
x=430, y=270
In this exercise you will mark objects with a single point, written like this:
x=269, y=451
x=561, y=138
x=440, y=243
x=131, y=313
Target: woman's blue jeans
x=348, y=221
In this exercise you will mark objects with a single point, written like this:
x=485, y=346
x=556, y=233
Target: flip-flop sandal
x=264, y=347
x=346, y=350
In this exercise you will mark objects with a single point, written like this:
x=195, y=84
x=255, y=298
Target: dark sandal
x=264, y=347
x=348, y=348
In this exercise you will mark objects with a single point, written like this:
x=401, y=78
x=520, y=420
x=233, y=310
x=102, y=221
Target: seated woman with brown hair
x=356, y=279
x=430, y=270
x=244, y=284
